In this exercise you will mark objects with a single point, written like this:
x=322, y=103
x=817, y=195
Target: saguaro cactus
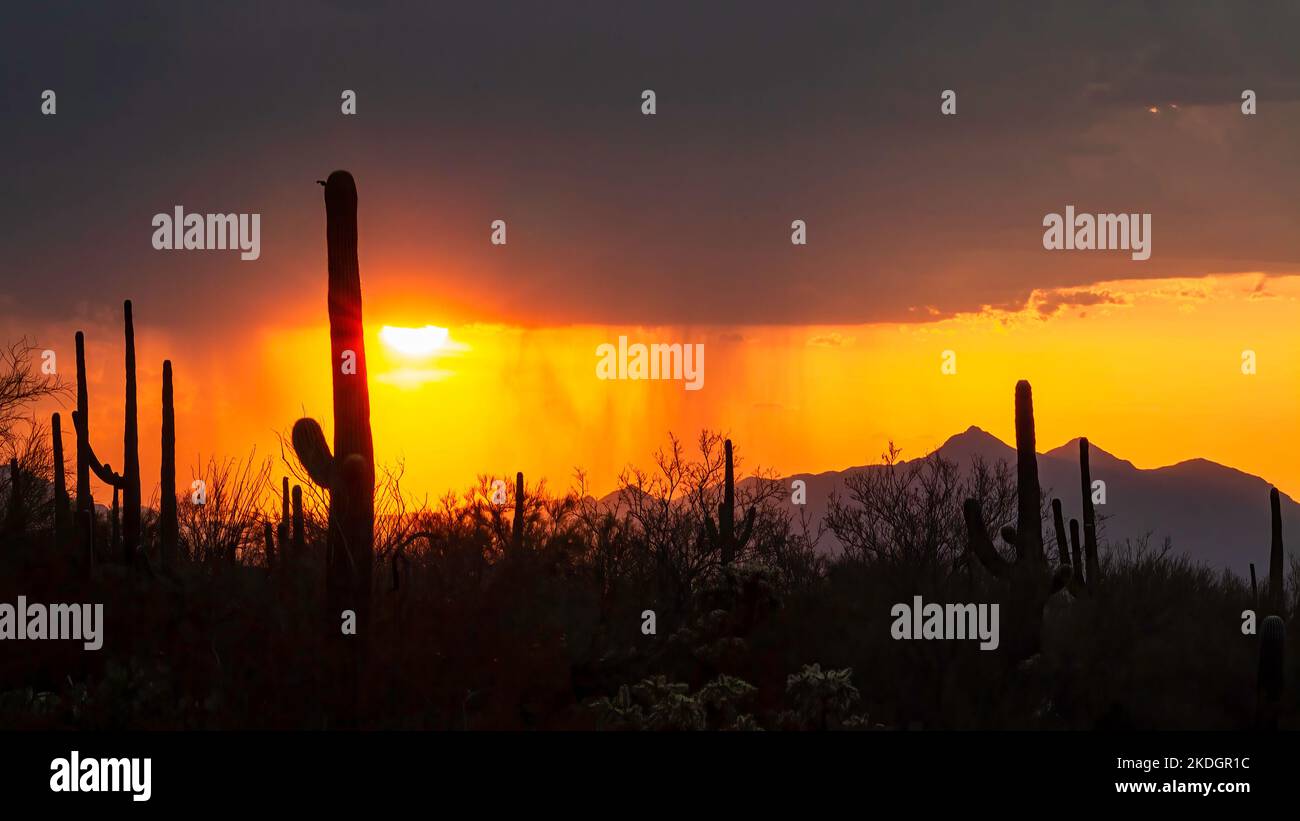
x=1027, y=536
x=268, y=537
x=16, y=515
x=168, y=529
x=349, y=471
x=1276, y=557
x=1079, y=581
x=85, y=503
x=517, y=524
x=128, y=481
x=1062, y=546
x=62, y=509
x=1089, y=518
x=724, y=535
x=299, y=532
x=1272, y=671
x=282, y=530
x=115, y=522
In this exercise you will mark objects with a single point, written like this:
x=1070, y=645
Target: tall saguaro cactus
x=349, y=471
x=1027, y=536
x=517, y=524
x=1276, y=556
x=1062, y=546
x=282, y=530
x=128, y=481
x=299, y=530
x=62, y=511
x=85, y=503
x=724, y=534
x=168, y=529
x=1027, y=574
x=1089, y=518
x=130, y=449
x=16, y=515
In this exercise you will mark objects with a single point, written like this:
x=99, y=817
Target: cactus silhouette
x=1062, y=546
x=1026, y=537
x=268, y=538
x=85, y=503
x=299, y=533
x=517, y=524
x=723, y=535
x=16, y=513
x=115, y=520
x=128, y=481
x=1272, y=671
x=1089, y=518
x=348, y=473
x=1078, y=582
x=1276, y=557
x=62, y=511
x=1027, y=574
x=282, y=530
x=168, y=530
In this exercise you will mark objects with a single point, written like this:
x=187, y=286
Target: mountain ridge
x=1213, y=513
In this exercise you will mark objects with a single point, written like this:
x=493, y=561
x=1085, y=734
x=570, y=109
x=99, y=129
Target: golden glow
x=415, y=342
x=1150, y=370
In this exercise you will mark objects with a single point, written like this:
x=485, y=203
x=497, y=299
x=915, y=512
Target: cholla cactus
x=822, y=699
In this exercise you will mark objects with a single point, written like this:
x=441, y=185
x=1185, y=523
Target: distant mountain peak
x=1096, y=455
x=974, y=441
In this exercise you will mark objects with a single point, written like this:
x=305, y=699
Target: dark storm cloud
x=768, y=112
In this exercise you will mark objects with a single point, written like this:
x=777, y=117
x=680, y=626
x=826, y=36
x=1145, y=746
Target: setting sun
x=414, y=341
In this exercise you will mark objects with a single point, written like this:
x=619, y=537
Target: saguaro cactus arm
x=313, y=451
x=102, y=471
x=980, y=543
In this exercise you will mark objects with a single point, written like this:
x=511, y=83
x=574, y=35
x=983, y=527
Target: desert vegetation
x=509, y=606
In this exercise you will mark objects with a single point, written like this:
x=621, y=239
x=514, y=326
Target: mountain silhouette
x=1210, y=512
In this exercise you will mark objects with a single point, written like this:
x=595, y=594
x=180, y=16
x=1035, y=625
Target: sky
x=924, y=230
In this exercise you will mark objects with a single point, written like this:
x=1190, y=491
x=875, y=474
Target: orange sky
x=1151, y=372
